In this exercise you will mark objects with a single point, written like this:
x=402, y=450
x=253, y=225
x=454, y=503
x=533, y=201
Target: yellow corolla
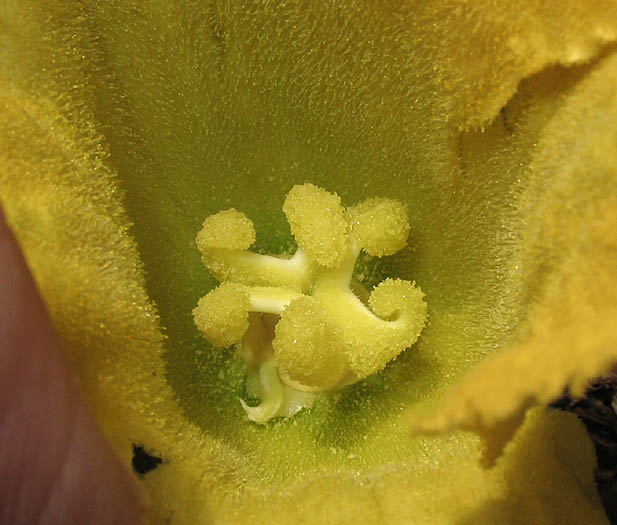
x=125, y=124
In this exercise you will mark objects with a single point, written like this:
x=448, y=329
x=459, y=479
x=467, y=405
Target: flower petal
x=195, y=121
x=568, y=267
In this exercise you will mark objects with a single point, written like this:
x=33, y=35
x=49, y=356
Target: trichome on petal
x=297, y=322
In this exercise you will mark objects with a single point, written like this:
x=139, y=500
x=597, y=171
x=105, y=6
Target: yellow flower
x=125, y=124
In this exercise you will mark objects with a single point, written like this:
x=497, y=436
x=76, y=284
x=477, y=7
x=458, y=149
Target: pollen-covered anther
x=226, y=230
x=224, y=241
x=302, y=328
x=307, y=350
x=380, y=226
x=318, y=223
x=222, y=315
x=400, y=307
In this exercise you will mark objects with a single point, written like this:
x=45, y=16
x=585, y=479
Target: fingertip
x=55, y=464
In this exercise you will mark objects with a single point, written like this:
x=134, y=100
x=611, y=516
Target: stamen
x=300, y=327
x=271, y=395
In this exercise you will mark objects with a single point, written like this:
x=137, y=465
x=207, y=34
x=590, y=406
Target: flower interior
x=305, y=324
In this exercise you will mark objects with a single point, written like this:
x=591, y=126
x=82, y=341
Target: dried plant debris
x=597, y=410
